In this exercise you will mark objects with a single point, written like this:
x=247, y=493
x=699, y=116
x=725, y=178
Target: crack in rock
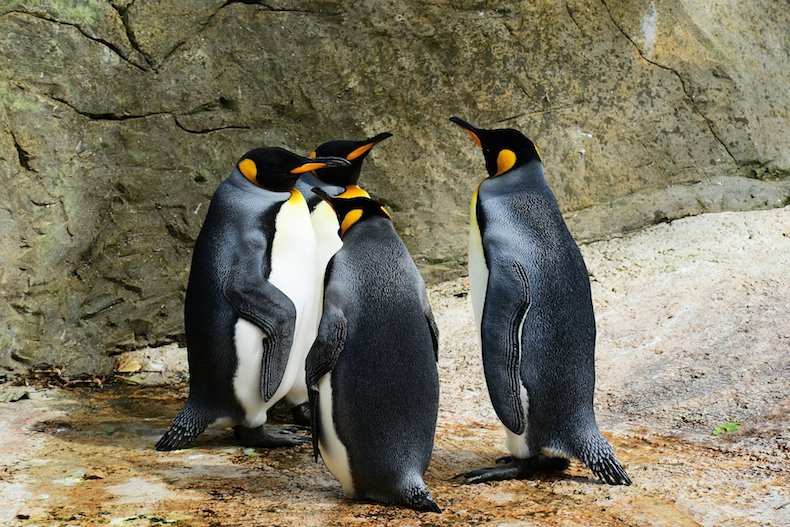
x=123, y=14
x=109, y=45
x=101, y=116
x=24, y=155
x=688, y=96
x=208, y=130
x=273, y=9
x=573, y=18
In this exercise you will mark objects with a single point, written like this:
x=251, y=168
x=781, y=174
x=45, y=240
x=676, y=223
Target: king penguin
x=337, y=180
x=374, y=387
x=533, y=308
x=246, y=298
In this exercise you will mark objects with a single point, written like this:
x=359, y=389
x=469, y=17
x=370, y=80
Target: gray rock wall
x=119, y=119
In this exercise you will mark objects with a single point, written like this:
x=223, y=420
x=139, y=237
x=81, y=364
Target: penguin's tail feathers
x=187, y=425
x=599, y=457
x=420, y=499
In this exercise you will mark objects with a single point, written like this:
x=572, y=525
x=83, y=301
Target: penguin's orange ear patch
x=353, y=191
x=351, y=218
x=540, y=157
x=248, y=169
x=312, y=155
x=385, y=211
x=505, y=161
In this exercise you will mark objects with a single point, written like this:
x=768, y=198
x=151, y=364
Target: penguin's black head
x=351, y=210
x=503, y=148
x=278, y=169
x=353, y=151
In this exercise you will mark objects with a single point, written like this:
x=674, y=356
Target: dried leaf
x=129, y=365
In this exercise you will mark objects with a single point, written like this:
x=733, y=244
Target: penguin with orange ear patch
x=374, y=387
x=246, y=300
x=532, y=304
x=336, y=181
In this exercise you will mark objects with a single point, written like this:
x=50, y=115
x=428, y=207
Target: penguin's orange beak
x=469, y=128
x=370, y=143
x=315, y=163
x=307, y=167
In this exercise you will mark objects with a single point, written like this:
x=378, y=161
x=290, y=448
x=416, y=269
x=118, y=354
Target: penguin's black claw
x=267, y=437
x=503, y=459
x=301, y=414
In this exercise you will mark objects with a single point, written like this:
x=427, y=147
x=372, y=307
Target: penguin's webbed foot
x=268, y=437
x=498, y=473
x=514, y=468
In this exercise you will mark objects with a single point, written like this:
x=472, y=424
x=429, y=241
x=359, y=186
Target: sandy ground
x=693, y=331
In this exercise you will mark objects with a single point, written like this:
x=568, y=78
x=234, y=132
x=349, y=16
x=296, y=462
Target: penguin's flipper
x=263, y=304
x=315, y=420
x=506, y=305
x=426, y=309
x=322, y=358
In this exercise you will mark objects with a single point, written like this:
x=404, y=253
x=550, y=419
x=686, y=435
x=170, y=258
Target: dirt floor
x=693, y=332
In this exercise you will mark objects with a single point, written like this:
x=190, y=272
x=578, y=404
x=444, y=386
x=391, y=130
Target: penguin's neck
x=527, y=178
x=237, y=180
x=308, y=180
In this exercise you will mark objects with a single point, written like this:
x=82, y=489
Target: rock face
x=119, y=119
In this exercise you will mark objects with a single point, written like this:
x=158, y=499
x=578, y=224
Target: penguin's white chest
x=293, y=267
x=325, y=227
x=478, y=270
x=333, y=452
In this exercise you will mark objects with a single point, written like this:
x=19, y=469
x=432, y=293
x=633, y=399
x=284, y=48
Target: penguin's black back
x=385, y=384
x=238, y=227
x=520, y=219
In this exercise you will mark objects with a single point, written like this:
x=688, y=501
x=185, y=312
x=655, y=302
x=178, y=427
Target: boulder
x=119, y=119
